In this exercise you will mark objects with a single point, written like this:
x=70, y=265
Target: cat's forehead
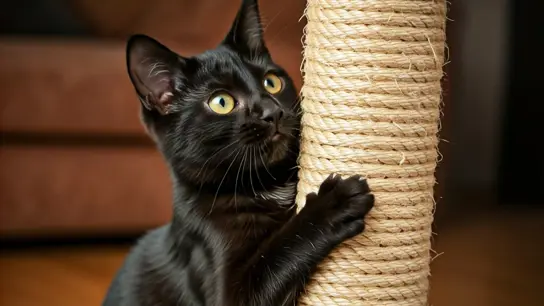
x=225, y=61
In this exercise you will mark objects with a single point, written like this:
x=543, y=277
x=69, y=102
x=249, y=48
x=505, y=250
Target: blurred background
x=80, y=180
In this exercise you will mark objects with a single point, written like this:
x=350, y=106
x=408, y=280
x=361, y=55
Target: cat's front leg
x=279, y=272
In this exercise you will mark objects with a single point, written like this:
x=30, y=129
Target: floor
x=487, y=260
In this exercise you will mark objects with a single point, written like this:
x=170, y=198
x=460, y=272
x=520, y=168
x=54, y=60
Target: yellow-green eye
x=222, y=103
x=272, y=83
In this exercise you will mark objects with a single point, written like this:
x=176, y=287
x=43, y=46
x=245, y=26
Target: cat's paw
x=339, y=207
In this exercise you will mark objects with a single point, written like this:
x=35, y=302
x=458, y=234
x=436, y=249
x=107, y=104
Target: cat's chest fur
x=282, y=196
x=246, y=220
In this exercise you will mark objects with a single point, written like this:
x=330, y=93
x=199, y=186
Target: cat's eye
x=221, y=103
x=272, y=83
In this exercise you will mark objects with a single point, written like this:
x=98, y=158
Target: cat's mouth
x=263, y=134
x=276, y=136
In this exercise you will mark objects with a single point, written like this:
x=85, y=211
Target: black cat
x=227, y=123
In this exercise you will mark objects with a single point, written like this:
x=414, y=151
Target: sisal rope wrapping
x=371, y=106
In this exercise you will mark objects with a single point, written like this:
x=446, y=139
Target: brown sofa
x=74, y=158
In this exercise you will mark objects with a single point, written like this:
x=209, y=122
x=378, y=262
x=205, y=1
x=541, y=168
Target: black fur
x=235, y=238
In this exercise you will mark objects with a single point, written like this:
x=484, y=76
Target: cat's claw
x=340, y=206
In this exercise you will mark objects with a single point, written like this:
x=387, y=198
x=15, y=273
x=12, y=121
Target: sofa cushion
x=81, y=86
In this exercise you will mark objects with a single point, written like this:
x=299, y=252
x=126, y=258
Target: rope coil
x=371, y=106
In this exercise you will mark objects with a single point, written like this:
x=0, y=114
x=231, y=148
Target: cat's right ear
x=153, y=70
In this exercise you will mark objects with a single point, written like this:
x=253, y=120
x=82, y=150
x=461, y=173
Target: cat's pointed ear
x=246, y=33
x=153, y=70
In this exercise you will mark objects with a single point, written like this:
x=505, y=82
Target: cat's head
x=215, y=113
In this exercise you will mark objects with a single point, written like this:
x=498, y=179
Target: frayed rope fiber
x=371, y=106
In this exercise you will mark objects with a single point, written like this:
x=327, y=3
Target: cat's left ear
x=246, y=33
x=154, y=71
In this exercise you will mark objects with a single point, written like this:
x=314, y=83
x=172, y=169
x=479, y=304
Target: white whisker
x=250, y=177
x=220, y=183
x=264, y=164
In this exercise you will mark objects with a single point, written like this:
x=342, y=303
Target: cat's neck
x=243, y=198
x=224, y=191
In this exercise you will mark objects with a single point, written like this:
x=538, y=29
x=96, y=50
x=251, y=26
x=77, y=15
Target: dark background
x=521, y=168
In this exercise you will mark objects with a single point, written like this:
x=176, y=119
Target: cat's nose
x=271, y=113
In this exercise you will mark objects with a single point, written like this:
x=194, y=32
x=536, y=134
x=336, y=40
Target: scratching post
x=371, y=99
